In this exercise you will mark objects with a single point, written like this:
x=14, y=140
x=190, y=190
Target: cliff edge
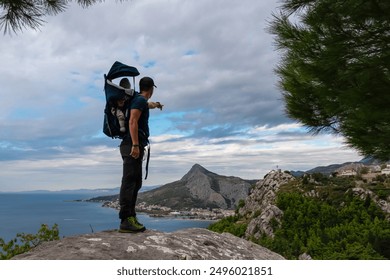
x=190, y=244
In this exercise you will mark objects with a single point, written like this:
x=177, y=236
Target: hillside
x=199, y=188
x=316, y=216
x=368, y=162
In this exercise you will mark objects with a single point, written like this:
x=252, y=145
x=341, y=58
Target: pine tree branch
x=17, y=15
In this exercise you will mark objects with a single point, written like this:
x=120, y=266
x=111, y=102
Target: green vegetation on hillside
x=173, y=195
x=25, y=242
x=357, y=230
x=332, y=223
x=231, y=225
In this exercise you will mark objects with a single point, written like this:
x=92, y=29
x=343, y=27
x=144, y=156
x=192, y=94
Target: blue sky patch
x=190, y=53
x=149, y=64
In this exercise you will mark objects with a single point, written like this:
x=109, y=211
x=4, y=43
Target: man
x=132, y=151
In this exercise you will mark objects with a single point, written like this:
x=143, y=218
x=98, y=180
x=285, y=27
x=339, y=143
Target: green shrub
x=356, y=230
x=25, y=242
x=229, y=224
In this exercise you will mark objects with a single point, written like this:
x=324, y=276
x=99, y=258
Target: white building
x=386, y=170
x=348, y=173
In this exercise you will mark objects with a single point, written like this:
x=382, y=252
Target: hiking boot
x=131, y=225
x=138, y=223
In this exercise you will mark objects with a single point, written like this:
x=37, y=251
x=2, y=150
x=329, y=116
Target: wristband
x=135, y=145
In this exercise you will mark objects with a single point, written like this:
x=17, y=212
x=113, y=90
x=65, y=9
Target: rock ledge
x=190, y=244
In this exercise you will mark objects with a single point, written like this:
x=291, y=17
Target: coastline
x=73, y=215
x=158, y=211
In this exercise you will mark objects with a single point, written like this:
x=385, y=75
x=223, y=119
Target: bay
x=26, y=212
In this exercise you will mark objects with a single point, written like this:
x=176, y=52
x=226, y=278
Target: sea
x=26, y=212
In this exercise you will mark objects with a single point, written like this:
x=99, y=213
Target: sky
x=213, y=63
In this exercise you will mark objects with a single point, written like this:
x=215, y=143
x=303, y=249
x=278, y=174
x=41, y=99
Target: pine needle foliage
x=334, y=69
x=17, y=15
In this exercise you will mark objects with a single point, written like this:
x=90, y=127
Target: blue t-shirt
x=141, y=103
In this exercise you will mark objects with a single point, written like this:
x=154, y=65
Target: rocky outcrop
x=362, y=193
x=188, y=244
x=260, y=210
x=260, y=206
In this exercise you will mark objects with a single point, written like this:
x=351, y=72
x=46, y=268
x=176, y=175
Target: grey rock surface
x=190, y=244
x=363, y=193
x=224, y=192
x=260, y=206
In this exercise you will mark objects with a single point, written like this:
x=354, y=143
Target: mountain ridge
x=329, y=169
x=199, y=188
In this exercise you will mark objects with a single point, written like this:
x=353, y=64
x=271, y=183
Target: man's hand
x=153, y=105
x=135, y=151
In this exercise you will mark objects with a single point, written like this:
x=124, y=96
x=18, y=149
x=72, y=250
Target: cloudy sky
x=213, y=64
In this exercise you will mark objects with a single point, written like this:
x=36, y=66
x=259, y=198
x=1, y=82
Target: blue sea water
x=25, y=212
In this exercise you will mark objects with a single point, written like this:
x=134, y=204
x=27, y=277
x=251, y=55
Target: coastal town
x=163, y=211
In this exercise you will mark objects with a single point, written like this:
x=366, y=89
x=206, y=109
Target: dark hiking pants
x=131, y=181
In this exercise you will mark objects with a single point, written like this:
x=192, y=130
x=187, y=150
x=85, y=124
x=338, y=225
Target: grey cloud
x=212, y=61
x=228, y=74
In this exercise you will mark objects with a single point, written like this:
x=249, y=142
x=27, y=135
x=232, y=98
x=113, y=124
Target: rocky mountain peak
x=198, y=167
x=195, y=170
x=199, y=188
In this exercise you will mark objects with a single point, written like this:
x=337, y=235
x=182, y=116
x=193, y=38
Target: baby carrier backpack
x=114, y=92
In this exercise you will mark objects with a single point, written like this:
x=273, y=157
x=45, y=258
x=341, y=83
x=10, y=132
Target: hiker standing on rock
x=132, y=151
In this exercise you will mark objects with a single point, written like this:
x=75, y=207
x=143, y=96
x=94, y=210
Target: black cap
x=146, y=83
